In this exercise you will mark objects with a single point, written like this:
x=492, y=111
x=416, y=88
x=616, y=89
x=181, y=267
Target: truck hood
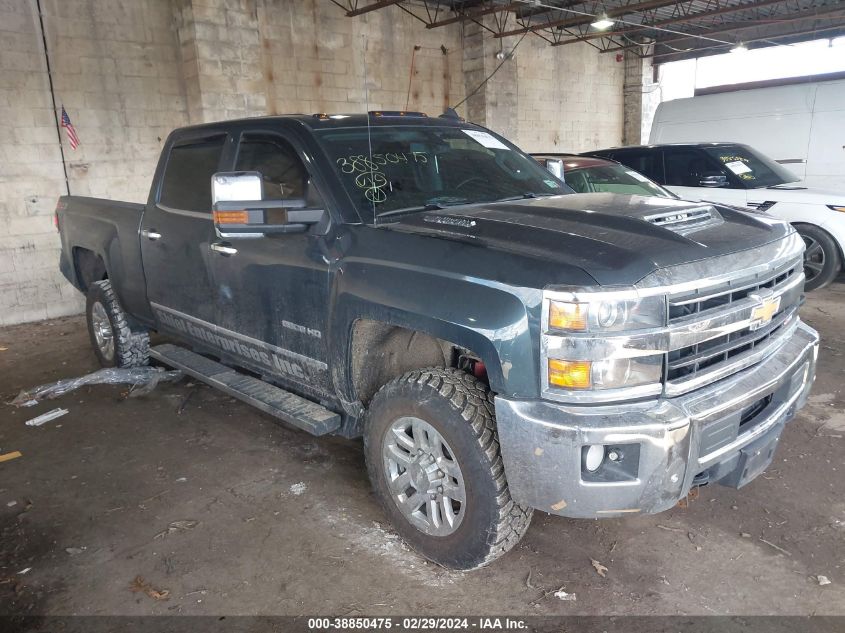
x=616, y=239
x=798, y=192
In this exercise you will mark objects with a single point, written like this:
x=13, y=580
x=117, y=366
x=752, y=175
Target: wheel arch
x=89, y=267
x=379, y=350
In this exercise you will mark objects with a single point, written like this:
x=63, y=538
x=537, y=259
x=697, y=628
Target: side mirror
x=554, y=165
x=713, y=180
x=239, y=210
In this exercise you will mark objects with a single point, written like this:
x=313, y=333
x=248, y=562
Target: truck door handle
x=223, y=248
x=151, y=234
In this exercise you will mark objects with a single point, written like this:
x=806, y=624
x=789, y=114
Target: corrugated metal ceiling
x=666, y=30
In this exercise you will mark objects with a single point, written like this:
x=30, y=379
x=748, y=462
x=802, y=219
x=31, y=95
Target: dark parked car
x=587, y=174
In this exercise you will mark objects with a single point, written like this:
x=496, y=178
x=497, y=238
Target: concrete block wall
x=253, y=57
x=31, y=175
x=496, y=104
x=642, y=96
x=570, y=97
x=129, y=71
x=114, y=68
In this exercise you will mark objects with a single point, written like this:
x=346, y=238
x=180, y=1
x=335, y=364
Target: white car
x=735, y=174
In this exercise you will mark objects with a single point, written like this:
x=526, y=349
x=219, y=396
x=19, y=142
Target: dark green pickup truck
x=501, y=343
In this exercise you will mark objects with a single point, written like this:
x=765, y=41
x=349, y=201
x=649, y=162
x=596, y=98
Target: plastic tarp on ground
x=141, y=379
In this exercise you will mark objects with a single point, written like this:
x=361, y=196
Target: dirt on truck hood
x=616, y=239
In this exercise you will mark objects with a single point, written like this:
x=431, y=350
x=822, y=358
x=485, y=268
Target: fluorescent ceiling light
x=739, y=48
x=602, y=22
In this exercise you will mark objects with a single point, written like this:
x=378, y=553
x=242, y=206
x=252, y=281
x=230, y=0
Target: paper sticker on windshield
x=636, y=175
x=551, y=183
x=738, y=167
x=487, y=140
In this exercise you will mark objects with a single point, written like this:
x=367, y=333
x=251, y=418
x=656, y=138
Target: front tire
x=433, y=458
x=115, y=343
x=821, y=256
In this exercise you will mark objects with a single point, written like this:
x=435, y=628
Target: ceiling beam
x=375, y=6
x=750, y=24
x=587, y=19
x=690, y=17
x=797, y=34
x=473, y=15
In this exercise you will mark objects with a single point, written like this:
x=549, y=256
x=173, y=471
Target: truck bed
x=101, y=237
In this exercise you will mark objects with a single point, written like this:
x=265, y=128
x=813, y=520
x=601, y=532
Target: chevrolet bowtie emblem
x=762, y=314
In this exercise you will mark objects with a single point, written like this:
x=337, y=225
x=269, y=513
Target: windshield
x=612, y=179
x=754, y=170
x=393, y=168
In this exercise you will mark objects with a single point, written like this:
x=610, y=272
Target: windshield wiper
x=433, y=204
x=528, y=195
x=429, y=206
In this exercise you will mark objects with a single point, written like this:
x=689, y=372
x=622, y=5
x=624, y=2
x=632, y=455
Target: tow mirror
x=554, y=165
x=239, y=210
x=713, y=180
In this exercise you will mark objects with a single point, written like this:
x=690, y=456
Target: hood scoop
x=686, y=220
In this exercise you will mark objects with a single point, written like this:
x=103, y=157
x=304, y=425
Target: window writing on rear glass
x=187, y=176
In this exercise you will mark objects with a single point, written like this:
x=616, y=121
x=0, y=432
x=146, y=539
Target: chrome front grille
x=718, y=317
x=711, y=299
x=690, y=360
x=692, y=366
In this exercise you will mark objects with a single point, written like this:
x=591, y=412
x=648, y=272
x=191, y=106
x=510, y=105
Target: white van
x=800, y=125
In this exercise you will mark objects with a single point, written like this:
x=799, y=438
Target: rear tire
x=115, y=343
x=431, y=439
x=821, y=257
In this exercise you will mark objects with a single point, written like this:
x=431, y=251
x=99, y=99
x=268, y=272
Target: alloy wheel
x=814, y=259
x=103, y=332
x=424, y=478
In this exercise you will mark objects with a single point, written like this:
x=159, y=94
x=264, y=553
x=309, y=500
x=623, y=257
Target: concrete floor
x=230, y=513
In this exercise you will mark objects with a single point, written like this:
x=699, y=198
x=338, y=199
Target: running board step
x=301, y=413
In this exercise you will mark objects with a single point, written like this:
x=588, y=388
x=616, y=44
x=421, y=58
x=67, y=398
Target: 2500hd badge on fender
x=500, y=343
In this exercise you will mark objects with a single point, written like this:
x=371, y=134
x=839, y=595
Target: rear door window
x=186, y=183
x=685, y=167
x=648, y=162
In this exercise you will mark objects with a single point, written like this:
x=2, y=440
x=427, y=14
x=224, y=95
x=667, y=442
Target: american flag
x=71, y=132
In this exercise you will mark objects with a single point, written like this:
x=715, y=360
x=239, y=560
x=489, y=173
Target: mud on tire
x=459, y=408
x=107, y=321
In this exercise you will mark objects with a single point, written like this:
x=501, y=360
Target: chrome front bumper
x=681, y=441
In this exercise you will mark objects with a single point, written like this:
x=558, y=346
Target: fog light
x=594, y=457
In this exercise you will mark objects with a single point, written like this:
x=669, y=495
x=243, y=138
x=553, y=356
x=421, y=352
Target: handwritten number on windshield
x=368, y=176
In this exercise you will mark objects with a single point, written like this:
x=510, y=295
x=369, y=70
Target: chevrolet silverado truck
x=500, y=343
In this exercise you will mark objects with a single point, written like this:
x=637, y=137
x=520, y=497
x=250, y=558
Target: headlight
x=606, y=314
x=588, y=347
x=836, y=207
